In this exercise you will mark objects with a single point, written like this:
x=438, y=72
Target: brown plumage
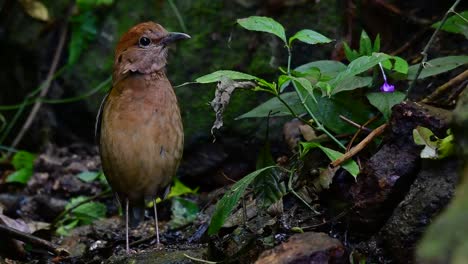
x=139, y=126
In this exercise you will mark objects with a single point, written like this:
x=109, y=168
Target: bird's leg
x=156, y=222
x=126, y=226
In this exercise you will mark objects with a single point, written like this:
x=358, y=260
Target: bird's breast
x=141, y=136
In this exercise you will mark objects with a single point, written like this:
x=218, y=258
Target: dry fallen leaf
x=222, y=97
x=36, y=9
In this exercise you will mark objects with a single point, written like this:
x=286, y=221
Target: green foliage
x=83, y=214
x=310, y=37
x=88, y=176
x=183, y=212
x=434, y=148
x=263, y=24
x=230, y=199
x=217, y=75
x=322, y=91
x=437, y=66
x=23, y=162
x=385, y=101
x=83, y=28
x=83, y=31
x=350, y=165
x=274, y=107
x=455, y=24
x=267, y=186
x=365, y=47
x=179, y=189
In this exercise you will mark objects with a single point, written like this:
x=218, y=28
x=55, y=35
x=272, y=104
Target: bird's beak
x=174, y=36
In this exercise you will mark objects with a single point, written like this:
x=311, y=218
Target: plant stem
x=428, y=45
x=289, y=60
x=303, y=102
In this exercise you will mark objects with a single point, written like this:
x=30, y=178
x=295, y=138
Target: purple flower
x=387, y=88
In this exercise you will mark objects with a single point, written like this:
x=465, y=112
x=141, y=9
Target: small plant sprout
x=386, y=87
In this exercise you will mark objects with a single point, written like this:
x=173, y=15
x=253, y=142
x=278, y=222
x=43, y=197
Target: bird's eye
x=144, y=41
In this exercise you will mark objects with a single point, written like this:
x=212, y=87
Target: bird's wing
x=97, y=126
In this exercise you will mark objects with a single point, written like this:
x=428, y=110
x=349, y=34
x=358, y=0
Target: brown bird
x=139, y=126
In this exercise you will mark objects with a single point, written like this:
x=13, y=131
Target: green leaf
x=88, y=212
x=276, y=107
x=360, y=65
x=399, y=65
x=88, y=176
x=434, y=148
x=423, y=136
x=267, y=186
x=446, y=146
x=350, y=165
x=183, y=211
x=350, y=53
x=328, y=109
x=83, y=31
x=217, y=75
x=455, y=24
x=310, y=37
x=179, y=189
x=23, y=162
x=263, y=24
x=20, y=176
x=23, y=159
x=328, y=68
x=376, y=47
x=64, y=229
x=230, y=199
x=385, y=101
x=351, y=83
x=437, y=66
x=365, y=45
x=306, y=85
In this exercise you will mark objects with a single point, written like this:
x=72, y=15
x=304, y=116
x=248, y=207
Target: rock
x=160, y=256
x=445, y=240
x=429, y=194
x=308, y=247
x=387, y=176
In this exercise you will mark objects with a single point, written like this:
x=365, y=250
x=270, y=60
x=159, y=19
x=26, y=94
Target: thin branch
x=359, y=131
x=443, y=88
x=351, y=122
x=428, y=45
x=356, y=149
x=46, y=84
x=30, y=239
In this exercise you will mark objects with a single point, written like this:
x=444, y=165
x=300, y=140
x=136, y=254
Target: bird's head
x=143, y=49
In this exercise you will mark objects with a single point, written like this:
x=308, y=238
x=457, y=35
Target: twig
x=359, y=146
x=429, y=43
x=200, y=260
x=67, y=211
x=350, y=144
x=443, y=88
x=351, y=122
x=30, y=239
x=456, y=92
x=48, y=80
